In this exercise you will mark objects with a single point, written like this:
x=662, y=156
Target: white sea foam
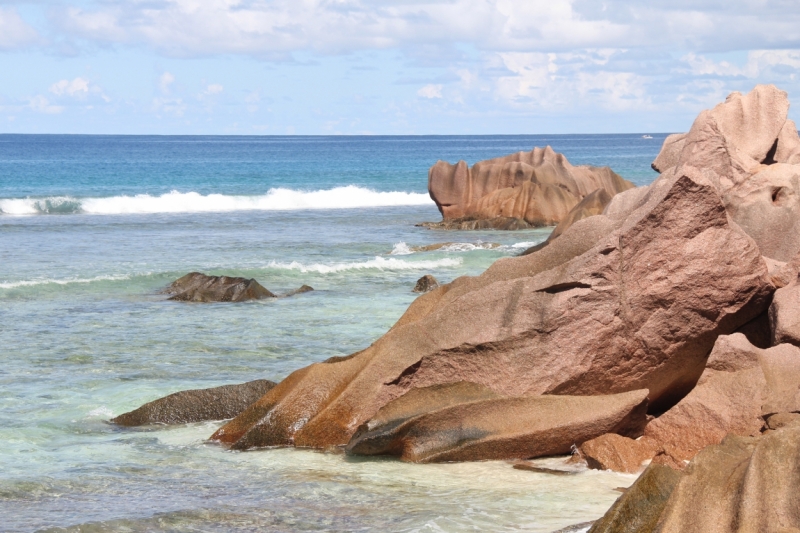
x=379, y=263
x=48, y=281
x=103, y=411
x=525, y=244
x=401, y=248
x=193, y=202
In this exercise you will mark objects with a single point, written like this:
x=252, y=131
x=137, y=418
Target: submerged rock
x=301, y=290
x=536, y=188
x=198, y=287
x=199, y=405
x=426, y=283
x=467, y=422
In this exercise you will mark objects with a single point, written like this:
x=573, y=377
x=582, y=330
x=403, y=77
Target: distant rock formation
x=199, y=405
x=199, y=287
x=518, y=191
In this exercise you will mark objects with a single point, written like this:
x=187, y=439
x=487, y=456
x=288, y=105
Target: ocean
x=93, y=227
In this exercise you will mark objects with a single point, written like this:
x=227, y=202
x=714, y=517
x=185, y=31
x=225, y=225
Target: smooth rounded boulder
x=496, y=427
x=198, y=405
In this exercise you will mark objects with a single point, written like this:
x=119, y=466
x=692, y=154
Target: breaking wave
x=379, y=263
x=47, y=281
x=280, y=199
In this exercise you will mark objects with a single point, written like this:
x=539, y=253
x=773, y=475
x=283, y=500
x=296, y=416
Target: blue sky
x=385, y=66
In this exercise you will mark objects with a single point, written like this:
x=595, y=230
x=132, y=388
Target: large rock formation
x=743, y=485
x=199, y=405
x=633, y=304
x=631, y=299
x=536, y=188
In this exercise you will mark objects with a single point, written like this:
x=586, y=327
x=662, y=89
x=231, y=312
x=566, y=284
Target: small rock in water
x=199, y=405
x=198, y=287
x=301, y=290
x=426, y=283
x=530, y=467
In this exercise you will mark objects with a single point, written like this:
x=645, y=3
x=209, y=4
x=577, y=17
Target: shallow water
x=85, y=335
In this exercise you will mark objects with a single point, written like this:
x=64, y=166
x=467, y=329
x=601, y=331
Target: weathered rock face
x=741, y=387
x=198, y=287
x=742, y=485
x=636, y=305
x=617, y=453
x=784, y=315
x=749, y=151
x=217, y=403
x=640, y=507
x=539, y=187
x=467, y=422
x=727, y=399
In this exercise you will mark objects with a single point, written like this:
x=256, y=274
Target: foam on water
x=47, y=281
x=379, y=263
x=277, y=199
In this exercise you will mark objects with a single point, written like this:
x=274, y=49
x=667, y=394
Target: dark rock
x=217, y=403
x=426, y=283
x=198, y=287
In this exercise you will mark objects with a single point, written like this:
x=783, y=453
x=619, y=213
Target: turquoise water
x=91, y=230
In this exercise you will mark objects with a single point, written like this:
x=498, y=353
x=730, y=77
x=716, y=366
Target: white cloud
x=165, y=81
x=41, y=104
x=430, y=91
x=76, y=87
x=214, y=88
x=15, y=32
x=279, y=27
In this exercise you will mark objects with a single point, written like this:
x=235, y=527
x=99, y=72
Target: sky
x=314, y=67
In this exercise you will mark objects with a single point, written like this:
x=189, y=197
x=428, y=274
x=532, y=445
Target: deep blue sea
x=92, y=227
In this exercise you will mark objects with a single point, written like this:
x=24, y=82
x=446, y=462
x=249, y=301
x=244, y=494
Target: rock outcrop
x=198, y=287
x=639, y=508
x=638, y=307
x=467, y=422
x=740, y=388
x=217, y=403
x=536, y=188
x=743, y=484
x=634, y=298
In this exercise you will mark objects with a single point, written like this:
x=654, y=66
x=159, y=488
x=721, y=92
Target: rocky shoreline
x=662, y=330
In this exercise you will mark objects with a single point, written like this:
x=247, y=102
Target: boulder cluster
x=518, y=191
x=665, y=329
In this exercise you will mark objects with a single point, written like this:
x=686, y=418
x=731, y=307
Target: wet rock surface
x=199, y=405
x=426, y=283
x=198, y=287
